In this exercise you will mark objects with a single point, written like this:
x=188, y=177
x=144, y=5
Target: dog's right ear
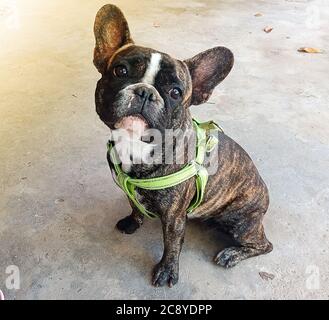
x=111, y=33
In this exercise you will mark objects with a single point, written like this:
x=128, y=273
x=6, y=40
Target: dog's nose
x=145, y=93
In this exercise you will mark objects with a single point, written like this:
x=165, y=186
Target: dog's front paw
x=128, y=225
x=165, y=273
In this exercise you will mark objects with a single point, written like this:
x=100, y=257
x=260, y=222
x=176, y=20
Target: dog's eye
x=175, y=93
x=120, y=71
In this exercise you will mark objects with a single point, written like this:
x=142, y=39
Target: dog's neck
x=169, y=157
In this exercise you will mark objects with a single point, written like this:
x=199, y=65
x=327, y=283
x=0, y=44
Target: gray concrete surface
x=58, y=203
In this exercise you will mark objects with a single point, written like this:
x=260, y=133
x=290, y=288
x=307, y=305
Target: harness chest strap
x=205, y=143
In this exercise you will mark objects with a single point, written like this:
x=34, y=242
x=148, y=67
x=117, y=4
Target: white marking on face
x=152, y=69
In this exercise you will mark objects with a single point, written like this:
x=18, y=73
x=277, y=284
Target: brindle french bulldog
x=142, y=88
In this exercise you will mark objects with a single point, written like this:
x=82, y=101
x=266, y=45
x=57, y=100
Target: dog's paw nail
x=165, y=274
x=228, y=257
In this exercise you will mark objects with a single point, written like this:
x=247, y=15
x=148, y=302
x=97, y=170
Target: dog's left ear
x=207, y=70
x=111, y=33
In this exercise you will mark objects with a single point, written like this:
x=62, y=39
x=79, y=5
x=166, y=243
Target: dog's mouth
x=133, y=124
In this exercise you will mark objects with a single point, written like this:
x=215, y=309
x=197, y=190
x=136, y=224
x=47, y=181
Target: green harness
x=205, y=143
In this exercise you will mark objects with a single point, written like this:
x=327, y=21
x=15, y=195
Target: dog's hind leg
x=132, y=222
x=250, y=238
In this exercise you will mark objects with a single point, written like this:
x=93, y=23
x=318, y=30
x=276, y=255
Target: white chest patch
x=152, y=69
x=131, y=150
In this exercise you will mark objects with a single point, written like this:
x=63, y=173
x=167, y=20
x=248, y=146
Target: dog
x=142, y=89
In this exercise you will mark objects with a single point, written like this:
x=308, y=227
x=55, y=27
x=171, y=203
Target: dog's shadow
x=139, y=252
x=144, y=248
x=205, y=239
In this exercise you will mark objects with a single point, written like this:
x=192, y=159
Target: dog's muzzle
x=139, y=99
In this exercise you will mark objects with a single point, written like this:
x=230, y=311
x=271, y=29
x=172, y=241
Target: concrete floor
x=59, y=205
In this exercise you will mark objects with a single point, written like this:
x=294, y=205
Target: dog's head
x=141, y=87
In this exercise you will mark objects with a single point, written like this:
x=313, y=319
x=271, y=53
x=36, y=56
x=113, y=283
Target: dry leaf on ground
x=267, y=29
x=266, y=276
x=309, y=50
